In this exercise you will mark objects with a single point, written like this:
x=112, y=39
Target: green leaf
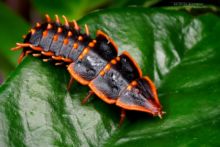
x=180, y=52
x=73, y=9
x=12, y=27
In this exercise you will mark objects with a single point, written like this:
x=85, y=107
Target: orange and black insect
x=93, y=62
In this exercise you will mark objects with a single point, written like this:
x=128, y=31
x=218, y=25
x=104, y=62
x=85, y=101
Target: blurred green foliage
x=12, y=27
x=78, y=8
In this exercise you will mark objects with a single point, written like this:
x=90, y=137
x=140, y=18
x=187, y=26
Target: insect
x=93, y=62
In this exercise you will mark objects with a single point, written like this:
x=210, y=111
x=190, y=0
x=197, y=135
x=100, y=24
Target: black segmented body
x=47, y=43
x=94, y=62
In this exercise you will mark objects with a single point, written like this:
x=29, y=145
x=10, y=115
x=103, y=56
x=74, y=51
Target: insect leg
x=123, y=114
x=59, y=63
x=20, y=46
x=70, y=83
x=21, y=57
x=87, y=97
x=28, y=52
x=36, y=55
x=46, y=60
